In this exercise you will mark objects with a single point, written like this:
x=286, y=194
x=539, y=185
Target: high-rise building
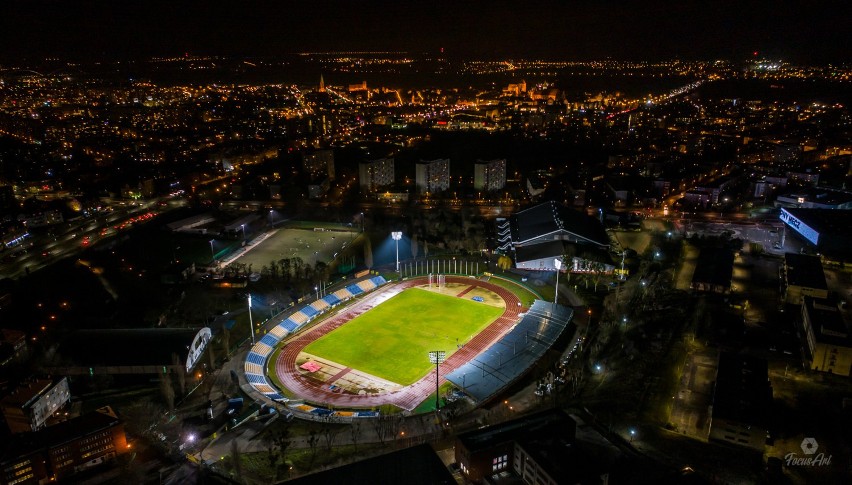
x=489, y=175
x=376, y=173
x=319, y=163
x=433, y=175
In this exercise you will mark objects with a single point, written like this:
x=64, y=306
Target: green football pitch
x=392, y=341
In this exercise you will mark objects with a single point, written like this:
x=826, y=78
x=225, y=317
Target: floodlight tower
x=251, y=323
x=437, y=357
x=558, y=263
x=397, y=235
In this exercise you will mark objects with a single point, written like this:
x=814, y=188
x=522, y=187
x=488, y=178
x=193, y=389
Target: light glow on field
x=392, y=340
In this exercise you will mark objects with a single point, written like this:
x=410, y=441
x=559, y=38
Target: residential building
x=31, y=404
x=57, y=452
x=489, y=175
x=319, y=164
x=828, y=338
x=376, y=173
x=433, y=176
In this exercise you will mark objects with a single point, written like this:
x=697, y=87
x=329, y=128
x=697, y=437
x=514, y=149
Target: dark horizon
x=793, y=30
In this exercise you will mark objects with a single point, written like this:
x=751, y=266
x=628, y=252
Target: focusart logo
x=812, y=458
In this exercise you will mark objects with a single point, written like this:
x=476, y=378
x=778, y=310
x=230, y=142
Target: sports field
x=392, y=341
x=310, y=245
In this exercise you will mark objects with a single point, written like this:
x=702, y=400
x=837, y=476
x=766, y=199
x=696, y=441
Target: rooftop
x=828, y=324
x=551, y=217
x=742, y=391
x=715, y=266
x=805, y=271
x=58, y=434
x=147, y=346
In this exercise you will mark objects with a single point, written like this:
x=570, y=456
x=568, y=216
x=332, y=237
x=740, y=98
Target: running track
x=410, y=396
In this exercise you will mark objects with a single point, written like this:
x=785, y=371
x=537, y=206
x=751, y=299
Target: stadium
x=366, y=346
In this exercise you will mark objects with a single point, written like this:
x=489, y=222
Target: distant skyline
x=794, y=30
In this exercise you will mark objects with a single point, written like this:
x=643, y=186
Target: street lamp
x=251, y=323
x=316, y=289
x=558, y=263
x=212, y=252
x=243, y=227
x=397, y=235
x=632, y=434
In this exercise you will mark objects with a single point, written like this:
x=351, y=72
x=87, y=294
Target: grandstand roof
x=513, y=355
x=145, y=346
x=551, y=218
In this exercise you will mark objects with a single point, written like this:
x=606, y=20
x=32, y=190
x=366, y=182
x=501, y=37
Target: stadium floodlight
x=558, y=263
x=251, y=323
x=397, y=235
x=437, y=357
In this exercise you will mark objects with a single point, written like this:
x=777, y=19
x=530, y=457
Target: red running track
x=410, y=396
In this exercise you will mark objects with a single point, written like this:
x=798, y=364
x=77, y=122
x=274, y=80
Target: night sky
x=807, y=31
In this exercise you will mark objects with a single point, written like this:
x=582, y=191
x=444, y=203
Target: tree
x=329, y=433
x=226, y=340
x=181, y=373
x=355, y=433
x=368, y=253
x=414, y=246
x=313, y=440
x=236, y=458
x=504, y=262
x=167, y=391
x=212, y=356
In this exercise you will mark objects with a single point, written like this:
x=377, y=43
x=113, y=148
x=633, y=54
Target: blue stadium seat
x=309, y=311
x=269, y=340
x=331, y=299
x=355, y=289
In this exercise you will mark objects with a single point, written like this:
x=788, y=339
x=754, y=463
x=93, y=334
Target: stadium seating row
x=256, y=359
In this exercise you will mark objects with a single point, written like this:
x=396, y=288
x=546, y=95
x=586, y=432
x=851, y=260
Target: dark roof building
x=803, y=276
x=61, y=450
x=713, y=271
x=827, y=230
x=828, y=338
x=124, y=351
x=741, y=399
x=548, y=231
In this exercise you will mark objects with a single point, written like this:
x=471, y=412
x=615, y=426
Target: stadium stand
x=256, y=358
x=503, y=363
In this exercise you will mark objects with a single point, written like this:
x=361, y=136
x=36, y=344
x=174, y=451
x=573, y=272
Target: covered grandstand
x=255, y=364
x=504, y=362
x=542, y=233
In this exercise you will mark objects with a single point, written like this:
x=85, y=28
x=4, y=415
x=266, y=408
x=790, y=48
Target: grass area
x=526, y=295
x=428, y=405
x=302, y=460
x=392, y=341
